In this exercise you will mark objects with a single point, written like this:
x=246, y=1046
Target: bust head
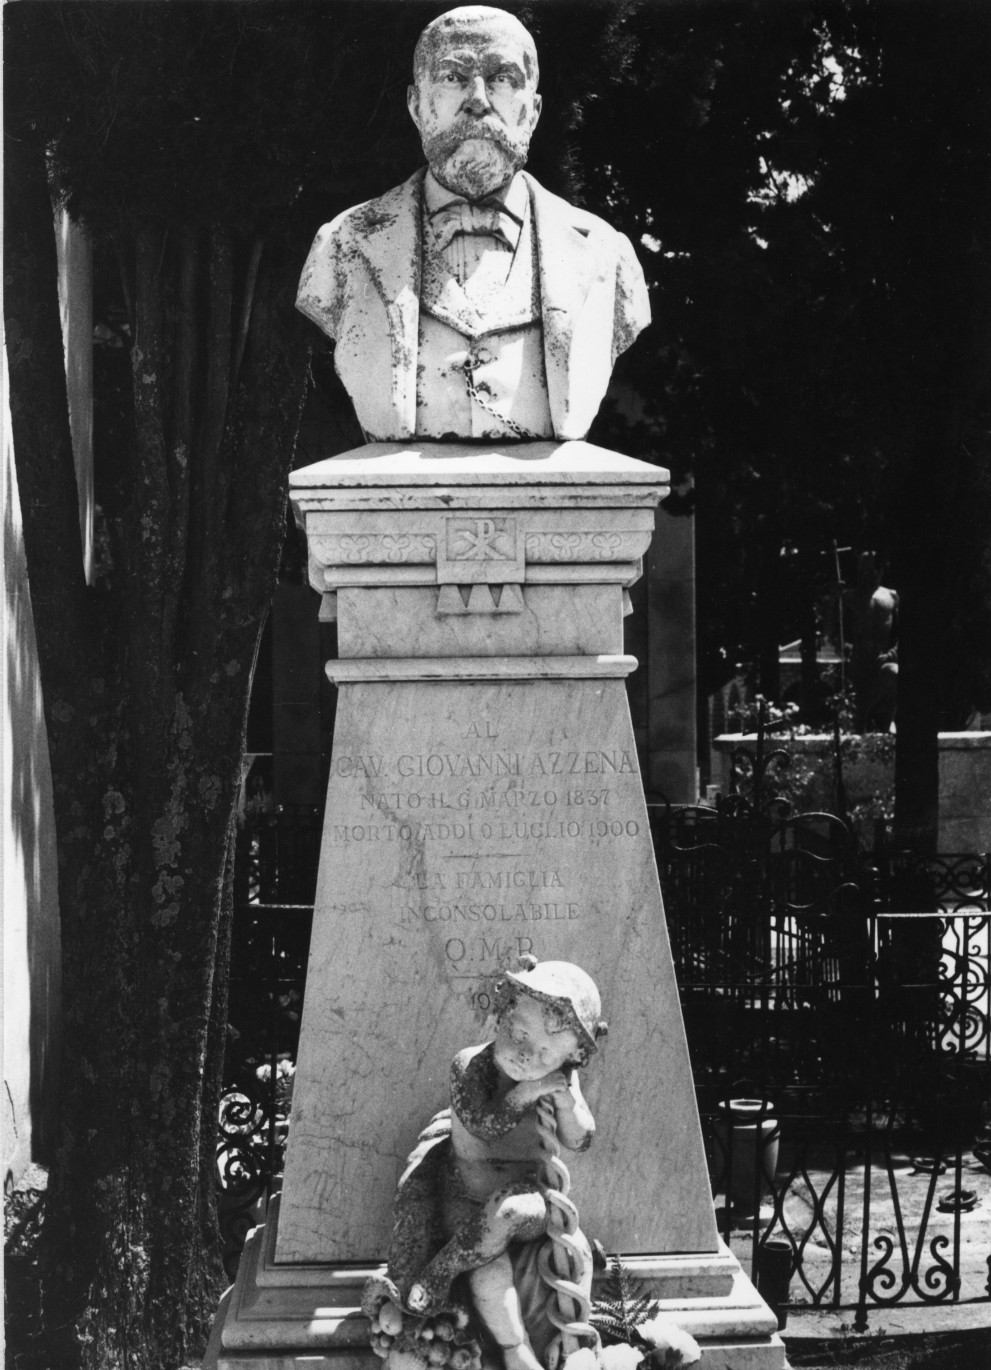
x=474, y=98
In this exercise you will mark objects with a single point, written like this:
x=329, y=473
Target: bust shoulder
x=588, y=224
x=364, y=221
x=368, y=236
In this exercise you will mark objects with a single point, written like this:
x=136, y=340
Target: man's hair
x=475, y=16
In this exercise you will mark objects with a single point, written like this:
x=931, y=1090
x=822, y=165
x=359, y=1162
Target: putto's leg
x=515, y=1213
x=498, y=1305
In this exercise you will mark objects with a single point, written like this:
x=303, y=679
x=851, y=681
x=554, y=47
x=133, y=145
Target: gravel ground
x=916, y=1193
x=928, y=1351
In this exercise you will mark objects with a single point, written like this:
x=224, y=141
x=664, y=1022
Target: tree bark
x=146, y=683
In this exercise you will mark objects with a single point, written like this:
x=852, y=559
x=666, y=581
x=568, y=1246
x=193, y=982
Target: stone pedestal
x=307, y=1316
x=484, y=802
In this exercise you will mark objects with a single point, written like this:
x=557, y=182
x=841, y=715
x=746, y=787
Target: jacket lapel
x=567, y=265
x=387, y=235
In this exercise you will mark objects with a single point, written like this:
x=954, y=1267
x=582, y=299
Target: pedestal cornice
x=455, y=514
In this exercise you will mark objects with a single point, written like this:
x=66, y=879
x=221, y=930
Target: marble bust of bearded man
x=470, y=302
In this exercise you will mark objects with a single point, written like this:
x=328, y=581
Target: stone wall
x=965, y=791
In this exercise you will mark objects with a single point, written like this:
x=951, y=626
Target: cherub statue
x=478, y=1195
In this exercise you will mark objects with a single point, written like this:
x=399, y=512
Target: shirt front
x=480, y=371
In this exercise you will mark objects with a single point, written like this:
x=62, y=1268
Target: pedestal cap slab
x=370, y=470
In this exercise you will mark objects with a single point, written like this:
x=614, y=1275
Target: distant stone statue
x=484, y=1195
x=470, y=303
x=874, y=659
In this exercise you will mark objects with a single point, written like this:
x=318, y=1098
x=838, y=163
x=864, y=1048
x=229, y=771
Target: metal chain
x=474, y=393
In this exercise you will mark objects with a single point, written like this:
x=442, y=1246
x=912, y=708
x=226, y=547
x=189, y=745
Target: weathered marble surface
x=481, y=668
x=360, y=285
x=402, y=464
x=467, y=824
x=527, y=551
x=551, y=620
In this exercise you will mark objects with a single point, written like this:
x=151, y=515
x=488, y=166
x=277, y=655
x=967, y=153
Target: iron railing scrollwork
x=275, y=879
x=852, y=989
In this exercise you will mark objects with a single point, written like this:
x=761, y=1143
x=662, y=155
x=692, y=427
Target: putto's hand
x=529, y=1091
x=554, y=1083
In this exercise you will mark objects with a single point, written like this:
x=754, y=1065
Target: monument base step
x=308, y=1317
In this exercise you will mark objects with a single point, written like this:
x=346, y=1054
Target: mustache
x=468, y=126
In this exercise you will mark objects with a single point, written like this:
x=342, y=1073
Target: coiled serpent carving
x=562, y=1263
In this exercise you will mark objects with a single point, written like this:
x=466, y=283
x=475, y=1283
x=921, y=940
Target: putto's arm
x=575, y=1124
x=471, y=1098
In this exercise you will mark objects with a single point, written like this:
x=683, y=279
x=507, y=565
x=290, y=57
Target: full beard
x=475, y=157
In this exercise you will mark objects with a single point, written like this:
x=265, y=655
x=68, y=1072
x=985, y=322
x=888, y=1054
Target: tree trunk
x=146, y=682
x=938, y=325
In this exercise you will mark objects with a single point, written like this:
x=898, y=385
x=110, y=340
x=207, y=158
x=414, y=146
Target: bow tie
x=489, y=217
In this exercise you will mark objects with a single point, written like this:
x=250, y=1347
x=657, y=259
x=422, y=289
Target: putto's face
x=476, y=106
x=529, y=1044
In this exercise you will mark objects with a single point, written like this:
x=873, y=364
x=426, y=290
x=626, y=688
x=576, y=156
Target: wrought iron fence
x=274, y=886
x=840, y=1049
x=857, y=1034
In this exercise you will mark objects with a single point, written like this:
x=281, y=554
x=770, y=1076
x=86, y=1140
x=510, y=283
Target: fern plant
x=635, y=1334
x=623, y=1306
